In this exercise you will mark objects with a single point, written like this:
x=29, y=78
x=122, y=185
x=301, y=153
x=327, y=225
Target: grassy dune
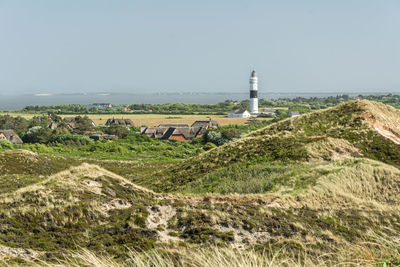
x=347, y=130
x=316, y=190
x=89, y=207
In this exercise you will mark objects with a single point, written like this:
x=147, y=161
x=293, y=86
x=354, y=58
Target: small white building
x=239, y=113
x=294, y=114
x=268, y=111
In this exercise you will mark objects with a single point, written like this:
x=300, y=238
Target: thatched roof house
x=122, y=122
x=154, y=132
x=70, y=122
x=175, y=125
x=181, y=134
x=206, y=124
x=11, y=136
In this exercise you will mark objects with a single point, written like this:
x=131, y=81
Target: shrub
x=5, y=145
x=71, y=139
x=215, y=137
x=38, y=148
x=209, y=146
x=230, y=133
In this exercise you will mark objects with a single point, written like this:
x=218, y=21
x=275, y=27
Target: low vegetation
x=362, y=255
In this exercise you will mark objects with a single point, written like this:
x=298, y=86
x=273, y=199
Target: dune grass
x=384, y=254
x=257, y=178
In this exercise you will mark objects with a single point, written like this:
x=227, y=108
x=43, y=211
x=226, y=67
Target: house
x=103, y=137
x=70, y=121
x=160, y=130
x=99, y=106
x=181, y=134
x=203, y=126
x=154, y=132
x=268, y=111
x=122, y=122
x=294, y=114
x=206, y=124
x=10, y=136
x=176, y=125
x=239, y=113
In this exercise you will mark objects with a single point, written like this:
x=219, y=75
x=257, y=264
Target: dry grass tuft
x=364, y=254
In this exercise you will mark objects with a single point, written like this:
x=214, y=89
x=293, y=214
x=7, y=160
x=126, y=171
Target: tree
x=42, y=121
x=38, y=134
x=83, y=125
x=118, y=130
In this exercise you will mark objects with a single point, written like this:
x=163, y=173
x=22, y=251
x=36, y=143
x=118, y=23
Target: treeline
x=173, y=108
x=181, y=108
x=300, y=104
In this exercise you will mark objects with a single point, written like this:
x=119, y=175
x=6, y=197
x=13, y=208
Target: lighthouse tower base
x=254, y=106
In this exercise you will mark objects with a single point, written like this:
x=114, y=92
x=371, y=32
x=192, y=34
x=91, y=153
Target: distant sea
x=16, y=102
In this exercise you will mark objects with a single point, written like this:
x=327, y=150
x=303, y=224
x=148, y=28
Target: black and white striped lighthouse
x=253, y=92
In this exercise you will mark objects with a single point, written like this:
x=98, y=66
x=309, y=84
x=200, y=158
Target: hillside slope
x=93, y=207
x=87, y=206
x=353, y=129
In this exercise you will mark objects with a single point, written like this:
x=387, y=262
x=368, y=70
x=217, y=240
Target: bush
x=71, y=139
x=221, y=136
x=38, y=148
x=5, y=145
x=215, y=137
x=209, y=146
x=230, y=133
x=262, y=115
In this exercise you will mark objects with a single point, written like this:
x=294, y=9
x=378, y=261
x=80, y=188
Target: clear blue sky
x=202, y=46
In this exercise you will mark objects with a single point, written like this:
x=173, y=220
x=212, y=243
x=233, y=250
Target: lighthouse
x=253, y=93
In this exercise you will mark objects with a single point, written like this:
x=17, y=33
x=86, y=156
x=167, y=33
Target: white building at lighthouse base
x=239, y=113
